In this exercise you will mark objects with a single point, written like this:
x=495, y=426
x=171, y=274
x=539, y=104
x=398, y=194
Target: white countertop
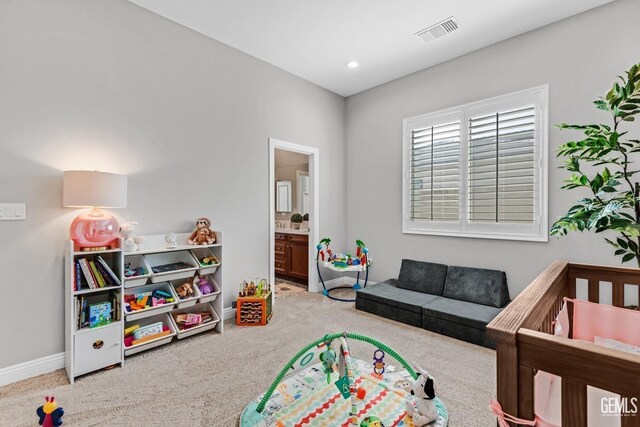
x=291, y=231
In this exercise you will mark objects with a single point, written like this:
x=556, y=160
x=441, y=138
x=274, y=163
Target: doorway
x=294, y=197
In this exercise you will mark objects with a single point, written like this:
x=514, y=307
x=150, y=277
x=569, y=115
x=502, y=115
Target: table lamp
x=96, y=229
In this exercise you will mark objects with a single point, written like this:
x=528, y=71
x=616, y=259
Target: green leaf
x=622, y=243
x=628, y=257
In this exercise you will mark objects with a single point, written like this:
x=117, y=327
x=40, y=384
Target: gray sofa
x=455, y=301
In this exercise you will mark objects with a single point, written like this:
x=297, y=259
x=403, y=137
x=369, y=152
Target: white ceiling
x=314, y=39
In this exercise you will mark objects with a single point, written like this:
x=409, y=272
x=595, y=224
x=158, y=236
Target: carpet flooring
x=207, y=380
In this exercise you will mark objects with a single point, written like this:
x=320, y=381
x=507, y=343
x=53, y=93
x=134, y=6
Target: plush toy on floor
x=49, y=413
x=422, y=407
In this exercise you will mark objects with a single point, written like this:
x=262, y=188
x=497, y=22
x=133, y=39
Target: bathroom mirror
x=283, y=196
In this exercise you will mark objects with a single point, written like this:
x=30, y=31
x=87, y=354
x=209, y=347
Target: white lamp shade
x=94, y=189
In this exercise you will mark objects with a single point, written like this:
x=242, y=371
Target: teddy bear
x=421, y=408
x=130, y=242
x=203, y=235
x=184, y=290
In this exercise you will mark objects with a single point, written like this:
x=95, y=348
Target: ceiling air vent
x=438, y=30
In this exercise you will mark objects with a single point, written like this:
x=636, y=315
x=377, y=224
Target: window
x=479, y=170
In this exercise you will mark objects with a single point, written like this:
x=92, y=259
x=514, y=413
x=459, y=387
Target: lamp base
x=96, y=249
x=94, y=231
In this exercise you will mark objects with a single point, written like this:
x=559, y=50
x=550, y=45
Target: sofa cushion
x=487, y=287
x=420, y=276
x=393, y=313
x=387, y=293
x=459, y=312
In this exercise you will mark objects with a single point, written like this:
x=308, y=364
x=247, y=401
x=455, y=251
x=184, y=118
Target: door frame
x=314, y=220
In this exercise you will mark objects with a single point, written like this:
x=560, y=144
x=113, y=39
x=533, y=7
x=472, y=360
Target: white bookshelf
x=81, y=354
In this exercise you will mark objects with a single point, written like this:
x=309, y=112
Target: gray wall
x=579, y=59
x=107, y=85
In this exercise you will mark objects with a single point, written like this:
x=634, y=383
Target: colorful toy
x=204, y=286
x=371, y=422
x=254, y=304
x=422, y=408
x=209, y=260
x=144, y=300
x=203, y=235
x=328, y=359
x=361, y=393
x=343, y=262
x=300, y=395
x=378, y=363
x=132, y=272
x=190, y=320
x=49, y=413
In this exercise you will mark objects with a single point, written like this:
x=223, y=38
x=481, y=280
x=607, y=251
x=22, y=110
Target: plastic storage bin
x=159, y=260
x=198, y=254
x=139, y=314
x=189, y=300
x=211, y=296
x=136, y=261
x=198, y=308
x=165, y=319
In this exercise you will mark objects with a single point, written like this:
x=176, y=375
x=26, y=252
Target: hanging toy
x=328, y=359
x=378, y=363
x=49, y=413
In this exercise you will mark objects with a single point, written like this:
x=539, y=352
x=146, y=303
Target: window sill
x=479, y=235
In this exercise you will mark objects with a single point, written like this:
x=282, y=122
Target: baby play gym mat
x=308, y=391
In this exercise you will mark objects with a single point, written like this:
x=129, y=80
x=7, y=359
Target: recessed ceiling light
x=352, y=64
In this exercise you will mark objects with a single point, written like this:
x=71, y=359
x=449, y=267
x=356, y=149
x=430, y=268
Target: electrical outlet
x=13, y=211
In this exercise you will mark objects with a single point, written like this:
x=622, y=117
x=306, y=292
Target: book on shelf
x=99, y=314
x=92, y=311
x=96, y=273
x=86, y=270
x=109, y=272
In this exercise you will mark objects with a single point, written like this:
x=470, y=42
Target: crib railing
x=526, y=344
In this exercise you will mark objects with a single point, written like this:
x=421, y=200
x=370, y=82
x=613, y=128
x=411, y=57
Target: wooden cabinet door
x=298, y=260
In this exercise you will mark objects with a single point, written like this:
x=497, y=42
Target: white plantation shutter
x=479, y=170
x=435, y=173
x=501, y=173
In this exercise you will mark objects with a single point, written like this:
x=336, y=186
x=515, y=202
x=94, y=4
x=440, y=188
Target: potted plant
x=614, y=201
x=296, y=219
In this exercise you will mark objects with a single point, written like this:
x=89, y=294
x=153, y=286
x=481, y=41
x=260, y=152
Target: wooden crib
x=525, y=344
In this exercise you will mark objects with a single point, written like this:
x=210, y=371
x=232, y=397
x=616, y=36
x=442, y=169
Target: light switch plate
x=13, y=211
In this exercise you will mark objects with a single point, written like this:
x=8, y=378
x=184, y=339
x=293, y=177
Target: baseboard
x=228, y=313
x=32, y=368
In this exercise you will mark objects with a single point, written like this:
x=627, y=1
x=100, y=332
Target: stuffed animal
x=49, y=414
x=421, y=408
x=184, y=290
x=203, y=235
x=131, y=242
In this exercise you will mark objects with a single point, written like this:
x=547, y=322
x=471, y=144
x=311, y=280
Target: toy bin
x=187, y=301
x=198, y=308
x=171, y=265
x=154, y=342
x=164, y=308
x=198, y=254
x=210, y=297
x=134, y=262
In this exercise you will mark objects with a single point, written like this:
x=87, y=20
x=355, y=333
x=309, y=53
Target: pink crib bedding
x=592, y=322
